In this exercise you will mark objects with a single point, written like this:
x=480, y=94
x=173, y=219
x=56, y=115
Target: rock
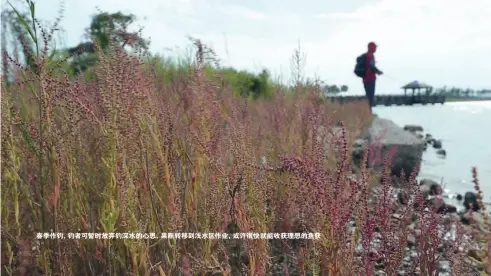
x=264, y=161
x=385, y=136
x=435, y=203
x=430, y=140
x=464, y=218
x=413, y=128
x=441, y=152
x=357, y=155
x=395, y=182
x=403, y=197
x=411, y=240
x=444, y=268
x=430, y=187
x=470, y=201
x=450, y=209
x=437, y=144
x=474, y=218
x=359, y=143
x=419, y=136
x=380, y=273
x=473, y=254
x=428, y=136
x=441, y=207
x=396, y=216
x=459, y=197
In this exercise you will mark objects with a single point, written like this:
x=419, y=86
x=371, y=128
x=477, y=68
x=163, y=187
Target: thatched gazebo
x=417, y=86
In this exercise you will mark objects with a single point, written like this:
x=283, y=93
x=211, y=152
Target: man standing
x=371, y=72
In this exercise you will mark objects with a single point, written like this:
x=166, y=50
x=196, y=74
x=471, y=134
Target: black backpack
x=360, y=67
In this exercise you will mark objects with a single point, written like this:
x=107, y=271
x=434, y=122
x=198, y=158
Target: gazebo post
x=423, y=92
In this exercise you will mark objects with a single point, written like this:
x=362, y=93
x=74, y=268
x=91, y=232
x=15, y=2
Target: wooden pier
x=416, y=97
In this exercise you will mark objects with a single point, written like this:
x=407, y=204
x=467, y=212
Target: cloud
x=426, y=26
x=442, y=42
x=242, y=12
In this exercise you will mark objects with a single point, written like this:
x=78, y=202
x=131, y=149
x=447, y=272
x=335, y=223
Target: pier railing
x=389, y=100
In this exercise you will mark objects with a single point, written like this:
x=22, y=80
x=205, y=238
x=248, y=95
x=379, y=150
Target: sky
x=439, y=42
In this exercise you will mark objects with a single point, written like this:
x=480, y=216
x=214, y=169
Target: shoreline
x=456, y=100
x=458, y=125
x=410, y=132
x=433, y=194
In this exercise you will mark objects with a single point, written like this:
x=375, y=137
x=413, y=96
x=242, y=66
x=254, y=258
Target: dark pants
x=370, y=93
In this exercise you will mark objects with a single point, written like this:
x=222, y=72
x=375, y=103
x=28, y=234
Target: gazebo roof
x=416, y=85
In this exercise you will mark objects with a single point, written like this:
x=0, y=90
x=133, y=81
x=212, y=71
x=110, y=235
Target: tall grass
x=143, y=149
